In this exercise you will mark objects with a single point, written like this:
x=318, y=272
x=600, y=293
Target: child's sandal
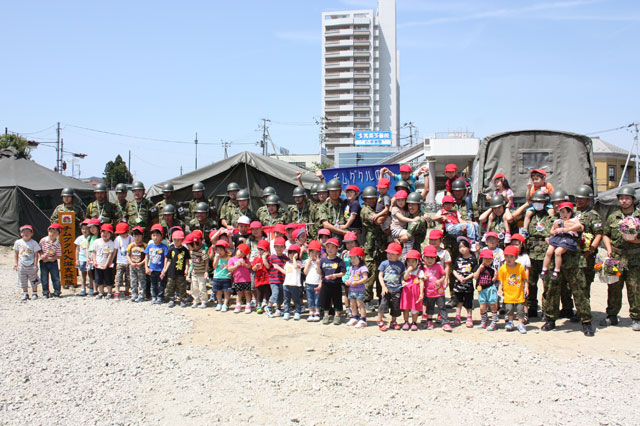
x=382, y=326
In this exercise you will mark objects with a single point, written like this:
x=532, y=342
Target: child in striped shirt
x=51, y=251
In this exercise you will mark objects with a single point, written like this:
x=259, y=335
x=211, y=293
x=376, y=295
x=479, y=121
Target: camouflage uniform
x=166, y=227
x=141, y=214
x=417, y=233
x=267, y=220
x=295, y=215
x=592, y=227
x=190, y=209
x=73, y=208
x=180, y=210
x=233, y=214
x=449, y=242
x=226, y=206
x=121, y=211
x=375, y=242
x=333, y=213
x=314, y=221
x=107, y=213
x=538, y=230
x=572, y=276
x=629, y=254
x=206, y=228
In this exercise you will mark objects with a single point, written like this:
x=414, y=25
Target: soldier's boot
x=549, y=325
x=609, y=320
x=587, y=329
x=574, y=318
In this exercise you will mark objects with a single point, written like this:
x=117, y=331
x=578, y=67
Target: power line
x=33, y=133
x=610, y=130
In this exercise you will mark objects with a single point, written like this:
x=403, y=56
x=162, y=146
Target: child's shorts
x=488, y=295
x=221, y=284
x=465, y=297
x=391, y=302
x=431, y=302
x=242, y=286
x=356, y=295
x=397, y=233
x=104, y=276
x=510, y=308
x=82, y=267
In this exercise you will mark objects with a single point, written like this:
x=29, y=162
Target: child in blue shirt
x=390, y=274
x=157, y=265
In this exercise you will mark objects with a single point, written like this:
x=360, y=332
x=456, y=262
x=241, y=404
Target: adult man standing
x=68, y=206
x=140, y=211
x=230, y=204
x=314, y=217
x=202, y=221
x=121, y=203
x=101, y=208
x=242, y=209
x=628, y=251
x=592, y=231
x=300, y=212
x=331, y=212
x=374, y=241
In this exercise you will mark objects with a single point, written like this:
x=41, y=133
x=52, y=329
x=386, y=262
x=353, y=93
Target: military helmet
x=269, y=190
x=459, y=185
x=243, y=194
x=169, y=209
x=584, y=191
x=497, y=201
x=314, y=189
x=233, y=187
x=402, y=184
x=369, y=192
x=322, y=187
x=273, y=199
x=137, y=185
x=100, y=187
x=202, y=207
x=67, y=192
x=121, y=187
x=559, y=195
x=168, y=187
x=298, y=191
x=334, y=185
x=627, y=190
x=198, y=186
x=540, y=196
x=414, y=198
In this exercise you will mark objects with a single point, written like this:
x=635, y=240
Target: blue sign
x=361, y=176
x=373, y=138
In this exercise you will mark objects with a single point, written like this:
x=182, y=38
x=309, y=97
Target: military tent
x=247, y=169
x=28, y=194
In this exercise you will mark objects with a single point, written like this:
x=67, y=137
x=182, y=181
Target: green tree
x=321, y=166
x=116, y=172
x=17, y=142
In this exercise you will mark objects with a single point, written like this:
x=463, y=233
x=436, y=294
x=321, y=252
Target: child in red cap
x=313, y=279
x=390, y=274
x=514, y=287
x=435, y=284
x=412, y=290
x=239, y=266
x=222, y=281
x=137, y=260
x=26, y=262
x=292, y=285
x=275, y=265
x=406, y=175
x=332, y=270
x=122, y=242
x=104, y=253
x=486, y=277
x=537, y=182
x=82, y=255
x=261, y=278
x=177, y=271
x=50, y=252
x=564, y=234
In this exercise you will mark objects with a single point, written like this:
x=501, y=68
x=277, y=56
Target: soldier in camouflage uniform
x=375, y=241
x=170, y=219
x=68, y=206
x=273, y=214
x=417, y=230
x=262, y=210
x=198, y=197
x=101, y=208
x=242, y=209
x=121, y=204
x=167, y=192
x=592, y=231
x=331, y=212
x=300, y=212
x=140, y=211
x=322, y=194
x=459, y=191
x=501, y=219
x=202, y=222
x=629, y=253
x=230, y=204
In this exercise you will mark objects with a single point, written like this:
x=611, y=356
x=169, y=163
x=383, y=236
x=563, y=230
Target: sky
x=166, y=70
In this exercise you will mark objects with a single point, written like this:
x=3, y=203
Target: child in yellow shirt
x=514, y=287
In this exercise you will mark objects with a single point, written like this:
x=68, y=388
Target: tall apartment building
x=360, y=89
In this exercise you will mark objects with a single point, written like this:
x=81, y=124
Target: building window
x=625, y=177
x=612, y=173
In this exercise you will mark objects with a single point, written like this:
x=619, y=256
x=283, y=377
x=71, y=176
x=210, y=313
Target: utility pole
x=635, y=141
x=411, y=126
x=180, y=170
x=633, y=145
x=265, y=131
x=225, y=145
x=196, y=152
x=58, y=152
x=130, y=164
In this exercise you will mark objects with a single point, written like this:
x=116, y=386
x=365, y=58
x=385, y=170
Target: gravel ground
x=81, y=361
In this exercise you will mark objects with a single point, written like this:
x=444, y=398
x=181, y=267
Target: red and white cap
x=55, y=226
x=23, y=227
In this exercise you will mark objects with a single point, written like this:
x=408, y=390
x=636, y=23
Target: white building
x=305, y=161
x=360, y=88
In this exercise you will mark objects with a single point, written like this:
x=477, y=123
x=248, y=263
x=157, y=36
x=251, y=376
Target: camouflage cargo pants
x=589, y=273
x=630, y=277
x=122, y=274
x=138, y=281
x=372, y=264
x=177, y=286
x=534, y=275
x=573, y=279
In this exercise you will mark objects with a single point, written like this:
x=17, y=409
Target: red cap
x=511, y=251
x=157, y=227
x=280, y=228
x=55, y=226
x=413, y=254
x=405, y=168
x=85, y=222
x=401, y=195
x=264, y=245
x=333, y=241
x=383, y=183
x=255, y=225
x=244, y=248
x=430, y=251
x=122, y=227
x=107, y=227
x=290, y=226
x=222, y=243
x=356, y=251
x=94, y=222
x=26, y=227
x=486, y=254
x=448, y=199
x=294, y=247
x=279, y=242
x=499, y=175
x=539, y=171
x=315, y=245
x=434, y=234
x=352, y=188
x=451, y=168
x=139, y=229
x=394, y=248
x=198, y=234
x=491, y=234
x=177, y=235
x=350, y=236
x=299, y=232
x=566, y=205
x=518, y=237
x=324, y=231
x=192, y=238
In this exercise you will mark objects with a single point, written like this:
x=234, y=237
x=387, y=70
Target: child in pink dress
x=412, y=290
x=434, y=287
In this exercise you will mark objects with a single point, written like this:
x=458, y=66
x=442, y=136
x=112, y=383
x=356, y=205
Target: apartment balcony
x=339, y=32
x=366, y=119
x=361, y=53
x=361, y=43
x=339, y=53
x=359, y=108
x=335, y=43
x=362, y=97
x=338, y=65
x=338, y=75
x=361, y=64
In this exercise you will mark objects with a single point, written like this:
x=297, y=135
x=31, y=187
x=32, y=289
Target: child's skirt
x=410, y=296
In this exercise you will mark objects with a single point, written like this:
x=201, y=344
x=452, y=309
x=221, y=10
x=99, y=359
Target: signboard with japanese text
x=372, y=138
x=361, y=176
x=67, y=241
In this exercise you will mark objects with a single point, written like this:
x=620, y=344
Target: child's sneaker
x=269, y=311
x=247, y=308
x=287, y=316
x=296, y=316
x=483, y=324
x=225, y=308
x=91, y=292
x=457, y=321
x=238, y=309
x=509, y=326
x=116, y=295
x=278, y=312
x=253, y=303
x=430, y=325
x=326, y=320
x=25, y=297
x=394, y=325
x=493, y=326
x=424, y=317
x=311, y=318
x=195, y=304
x=447, y=327
x=337, y=320
x=439, y=319
x=522, y=329
x=110, y=296
x=554, y=275
x=203, y=304
x=414, y=327
x=34, y=296
x=543, y=273
x=99, y=296
x=361, y=324
x=171, y=304
x=469, y=322
x=259, y=310
x=382, y=326
x=219, y=307
x=183, y=304
x=406, y=326
x=82, y=292
x=140, y=299
x=352, y=321
x=348, y=312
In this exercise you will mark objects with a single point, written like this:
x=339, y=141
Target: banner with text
x=67, y=241
x=361, y=176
